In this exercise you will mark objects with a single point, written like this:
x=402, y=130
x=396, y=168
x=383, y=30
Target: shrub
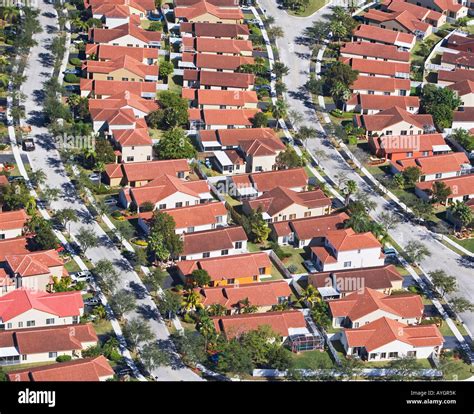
x=188, y=318
x=279, y=251
x=155, y=26
x=139, y=242
x=71, y=78
x=352, y=140
x=63, y=358
x=116, y=214
x=75, y=61
x=292, y=268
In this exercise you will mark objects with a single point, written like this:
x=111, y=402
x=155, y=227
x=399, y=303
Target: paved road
x=46, y=157
x=295, y=54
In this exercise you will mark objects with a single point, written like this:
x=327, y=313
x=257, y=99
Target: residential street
x=46, y=157
x=296, y=56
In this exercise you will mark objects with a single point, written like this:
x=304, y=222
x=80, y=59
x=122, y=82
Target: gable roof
x=234, y=137
x=392, y=144
x=379, y=67
x=240, y=116
x=217, y=97
x=236, y=266
x=132, y=137
x=421, y=13
x=10, y=220
x=33, y=263
x=87, y=369
x=113, y=52
x=382, y=102
x=212, y=240
x=19, y=301
x=455, y=75
x=237, y=80
x=149, y=170
x=460, y=186
x=291, y=178
x=348, y=240
x=404, y=18
x=461, y=58
x=393, y=116
x=384, y=331
x=280, y=322
x=434, y=164
x=215, y=29
x=15, y=246
x=111, y=87
x=359, y=304
x=380, y=84
x=203, y=7
x=375, y=50
x=380, y=35
x=220, y=62
x=464, y=87
x=108, y=35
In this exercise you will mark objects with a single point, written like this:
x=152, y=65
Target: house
x=221, y=118
x=165, y=192
x=462, y=188
x=436, y=167
x=215, y=31
x=104, y=53
x=373, y=51
x=229, y=270
x=129, y=34
x=102, y=89
x=12, y=223
x=86, y=369
x=207, y=79
x=397, y=147
x=33, y=345
x=224, y=47
x=373, y=104
x=25, y=308
x=114, y=15
x=399, y=21
x=35, y=270
x=395, y=121
x=197, y=218
x=263, y=295
x=371, y=85
x=202, y=11
x=255, y=184
x=384, y=279
x=464, y=90
x=463, y=118
x=450, y=8
x=147, y=5
x=301, y=232
x=224, y=139
x=138, y=174
x=460, y=60
x=461, y=43
x=381, y=69
x=373, y=34
x=345, y=249
x=360, y=308
x=213, y=62
x=214, y=243
x=386, y=339
x=448, y=77
x=124, y=68
x=17, y=245
x=281, y=204
x=423, y=14
x=132, y=145
x=217, y=99
x=284, y=323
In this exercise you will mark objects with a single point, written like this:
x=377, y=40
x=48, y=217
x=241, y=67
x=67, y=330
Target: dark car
x=28, y=144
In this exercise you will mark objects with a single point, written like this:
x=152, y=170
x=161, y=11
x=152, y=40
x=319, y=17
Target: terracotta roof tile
x=10, y=220
x=212, y=240
x=375, y=50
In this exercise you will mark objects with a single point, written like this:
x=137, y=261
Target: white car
x=83, y=276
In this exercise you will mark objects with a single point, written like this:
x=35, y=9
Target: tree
x=280, y=69
x=440, y=192
x=191, y=300
x=305, y=133
x=404, y=369
x=279, y=110
x=122, y=302
x=200, y=277
x=37, y=178
x=460, y=305
x=166, y=69
x=152, y=357
x=439, y=102
x=349, y=189
x=107, y=275
x=258, y=226
x=87, y=239
x=399, y=180
x=125, y=230
x=216, y=309
x=423, y=209
x=191, y=346
x=104, y=152
x=388, y=220
x=137, y=331
x=173, y=111
x=314, y=85
x=339, y=73
x=175, y=144
x=259, y=120
x=280, y=87
x=464, y=138
x=244, y=306
x=235, y=358
x=50, y=195
x=275, y=32
x=163, y=242
x=411, y=175
x=154, y=279
x=65, y=217
x=310, y=296
x=462, y=213
x=296, y=118
x=169, y=304
x=416, y=251
x=288, y=159
x=317, y=33
x=446, y=284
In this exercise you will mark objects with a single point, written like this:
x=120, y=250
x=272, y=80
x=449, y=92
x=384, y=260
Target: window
x=255, y=278
x=238, y=245
x=219, y=219
x=388, y=132
x=409, y=154
x=425, y=153
x=206, y=254
x=148, y=157
x=20, y=324
x=261, y=270
x=52, y=354
x=404, y=132
x=347, y=264
x=29, y=324
x=110, y=78
x=125, y=79
x=24, y=357
x=393, y=354
x=9, y=325
x=180, y=174
x=161, y=206
x=383, y=355
x=230, y=281
x=130, y=159
x=307, y=213
x=179, y=204
x=183, y=257
x=386, y=93
x=411, y=354
x=438, y=175
x=2, y=236
x=50, y=321
x=371, y=92
x=190, y=230
x=355, y=325
x=292, y=216
x=75, y=319
x=373, y=355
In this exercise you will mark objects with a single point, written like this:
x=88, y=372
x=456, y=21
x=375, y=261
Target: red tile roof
x=240, y=117
x=14, y=246
x=292, y=178
x=212, y=240
x=359, y=304
x=149, y=170
x=280, y=322
x=113, y=52
x=218, y=62
x=461, y=58
x=419, y=12
x=379, y=67
x=382, y=102
x=384, y=331
x=233, y=137
x=10, y=220
x=310, y=227
x=209, y=45
x=460, y=186
x=442, y=163
x=129, y=29
x=464, y=114
x=393, y=116
x=108, y=88
x=389, y=52
x=215, y=29
x=87, y=369
x=348, y=240
x=455, y=75
x=236, y=80
x=392, y=144
x=464, y=87
x=404, y=18
x=258, y=294
x=19, y=301
x=236, y=266
x=204, y=7
x=33, y=263
x=125, y=62
x=217, y=97
x=380, y=35
x=372, y=83
x=132, y=137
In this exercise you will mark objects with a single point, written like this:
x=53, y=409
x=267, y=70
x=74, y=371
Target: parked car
x=72, y=88
x=92, y=301
x=110, y=202
x=28, y=144
x=72, y=71
x=389, y=251
x=94, y=177
x=310, y=267
x=82, y=276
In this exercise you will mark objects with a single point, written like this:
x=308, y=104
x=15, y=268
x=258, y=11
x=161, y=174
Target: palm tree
x=10, y=13
x=285, y=305
x=79, y=25
x=279, y=110
x=350, y=188
x=4, y=61
x=192, y=300
x=216, y=309
x=4, y=79
x=244, y=306
x=310, y=296
x=461, y=213
x=275, y=32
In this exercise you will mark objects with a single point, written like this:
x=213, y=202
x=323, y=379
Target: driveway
x=46, y=157
x=296, y=55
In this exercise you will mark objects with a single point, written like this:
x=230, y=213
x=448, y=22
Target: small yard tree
x=416, y=251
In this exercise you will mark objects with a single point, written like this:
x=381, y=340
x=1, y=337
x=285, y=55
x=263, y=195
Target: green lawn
x=72, y=266
x=456, y=370
x=232, y=201
x=312, y=360
x=9, y=368
x=296, y=258
x=466, y=243
x=103, y=327
x=424, y=364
